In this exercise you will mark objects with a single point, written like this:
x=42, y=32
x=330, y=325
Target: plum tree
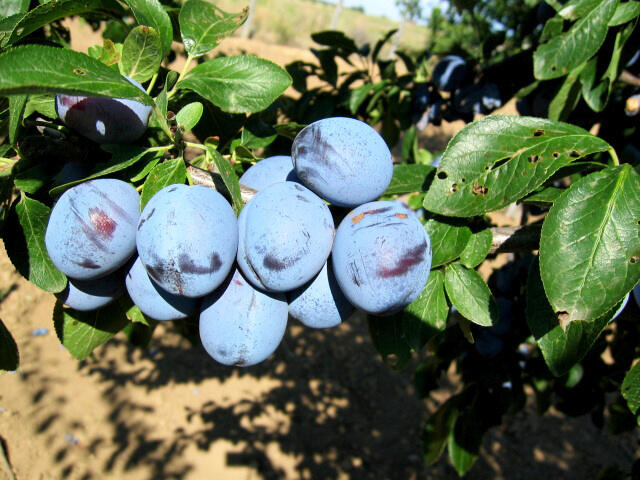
x=104, y=119
x=187, y=239
x=240, y=325
x=278, y=168
x=285, y=236
x=87, y=295
x=381, y=257
x=320, y=303
x=343, y=160
x=92, y=228
x=152, y=300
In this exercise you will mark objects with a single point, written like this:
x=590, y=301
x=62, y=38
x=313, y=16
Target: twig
x=524, y=238
x=212, y=179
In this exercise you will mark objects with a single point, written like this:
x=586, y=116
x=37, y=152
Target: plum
x=449, y=73
x=86, y=295
x=488, y=344
x=104, y=119
x=343, y=160
x=240, y=325
x=269, y=170
x=187, y=239
x=285, y=237
x=152, y=300
x=625, y=300
x=92, y=228
x=381, y=257
x=320, y=303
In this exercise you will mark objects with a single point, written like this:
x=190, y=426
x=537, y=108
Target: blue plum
x=449, y=73
x=86, y=295
x=104, y=119
x=152, y=300
x=269, y=170
x=92, y=228
x=70, y=172
x=617, y=313
x=381, y=257
x=240, y=325
x=343, y=160
x=187, y=239
x=488, y=344
x=285, y=237
x=320, y=303
x=478, y=99
x=636, y=294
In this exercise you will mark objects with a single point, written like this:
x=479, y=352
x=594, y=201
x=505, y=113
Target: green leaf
x=388, y=338
x=470, y=295
x=123, y=157
x=152, y=14
x=630, y=388
x=552, y=28
x=159, y=114
x=51, y=11
x=190, y=115
x=43, y=104
x=17, y=104
x=243, y=84
x=13, y=7
x=409, y=178
x=135, y=315
x=567, y=97
x=141, y=54
x=109, y=53
x=40, y=69
x=336, y=39
x=449, y=237
x=426, y=316
x=24, y=241
x=9, y=357
x=561, y=349
x=203, y=26
x=576, y=9
x=33, y=179
x=229, y=178
x=625, y=13
x=545, y=197
x=146, y=168
x=162, y=175
x=565, y=52
x=256, y=133
x=589, y=249
x=464, y=442
x=437, y=430
x=81, y=332
x=477, y=248
x=499, y=159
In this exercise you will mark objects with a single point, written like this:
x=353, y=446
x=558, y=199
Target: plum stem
x=184, y=71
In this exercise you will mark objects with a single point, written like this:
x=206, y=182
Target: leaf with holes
x=561, y=349
x=566, y=51
x=470, y=295
x=165, y=174
x=449, y=237
x=631, y=388
x=426, y=316
x=409, y=178
x=203, y=26
x=589, y=249
x=9, y=357
x=81, y=332
x=499, y=159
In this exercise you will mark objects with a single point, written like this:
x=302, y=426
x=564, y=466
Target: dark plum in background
x=343, y=160
x=320, y=303
x=86, y=295
x=449, y=73
x=187, y=239
x=240, y=325
x=103, y=119
x=285, y=236
x=381, y=257
x=152, y=300
x=92, y=228
x=269, y=170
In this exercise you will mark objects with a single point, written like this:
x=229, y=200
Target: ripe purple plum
x=87, y=295
x=104, y=119
x=268, y=171
x=152, y=300
x=92, y=228
x=285, y=237
x=320, y=303
x=343, y=160
x=240, y=325
x=187, y=239
x=381, y=257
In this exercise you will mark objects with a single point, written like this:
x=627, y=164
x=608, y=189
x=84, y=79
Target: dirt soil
x=323, y=406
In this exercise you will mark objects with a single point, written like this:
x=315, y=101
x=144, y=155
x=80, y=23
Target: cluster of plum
x=244, y=277
x=465, y=98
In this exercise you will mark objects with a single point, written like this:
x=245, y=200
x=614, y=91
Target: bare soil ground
x=324, y=406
